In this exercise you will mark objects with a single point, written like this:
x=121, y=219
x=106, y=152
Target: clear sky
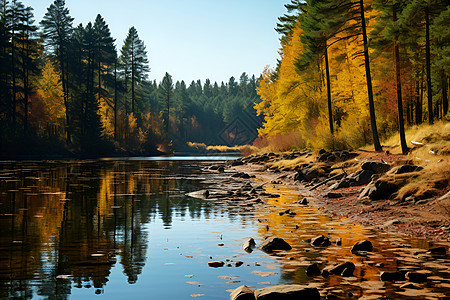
x=190, y=39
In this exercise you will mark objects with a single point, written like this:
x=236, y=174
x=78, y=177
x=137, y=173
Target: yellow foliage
x=295, y=101
x=49, y=97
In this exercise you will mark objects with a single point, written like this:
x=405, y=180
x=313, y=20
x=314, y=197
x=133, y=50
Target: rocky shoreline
x=358, y=186
x=352, y=185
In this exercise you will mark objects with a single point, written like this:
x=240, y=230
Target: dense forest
x=353, y=72
x=68, y=89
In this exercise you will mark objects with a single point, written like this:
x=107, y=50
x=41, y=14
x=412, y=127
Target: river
x=118, y=228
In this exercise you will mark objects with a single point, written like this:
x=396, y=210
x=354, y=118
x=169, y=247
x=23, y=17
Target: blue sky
x=190, y=39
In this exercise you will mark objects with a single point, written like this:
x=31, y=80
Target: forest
x=68, y=90
x=353, y=73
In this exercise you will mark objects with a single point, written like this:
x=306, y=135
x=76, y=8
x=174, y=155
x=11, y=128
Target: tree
x=105, y=53
x=56, y=33
x=166, y=88
x=28, y=57
x=388, y=31
x=134, y=62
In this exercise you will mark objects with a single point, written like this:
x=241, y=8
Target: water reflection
x=124, y=228
x=71, y=223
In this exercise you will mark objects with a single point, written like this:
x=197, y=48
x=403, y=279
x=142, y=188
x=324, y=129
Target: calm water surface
x=125, y=228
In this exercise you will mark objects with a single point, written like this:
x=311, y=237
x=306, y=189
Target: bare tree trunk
x=401, y=123
x=115, y=100
x=428, y=66
x=330, y=109
x=373, y=120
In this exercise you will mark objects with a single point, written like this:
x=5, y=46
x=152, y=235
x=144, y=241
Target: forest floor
x=428, y=218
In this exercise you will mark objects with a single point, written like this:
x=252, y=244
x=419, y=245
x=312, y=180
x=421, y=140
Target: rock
x=243, y=293
x=287, y=292
x=274, y=243
x=313, y=270
x=322, y=151
x=391, y=222
x=238, y=264
x=304, y=201
x=249, y=245
x=438, y=251
x=321, y=241
x=241, y=175
x=416, y=277
x=408, y=169
x=247, y=187
x=221, y=169
x=363, y=245
x=333, y=195
x=379, y=189
x=237, y=163
x=376, y=166
x=216, y=264
x=359, y=178
x=392, y=276
x=344, y=269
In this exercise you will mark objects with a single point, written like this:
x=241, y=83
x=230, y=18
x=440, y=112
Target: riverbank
x=379, y=190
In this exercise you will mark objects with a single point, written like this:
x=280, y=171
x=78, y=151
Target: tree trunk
x=13, y=75
x=330, y=109
x=428, y=66
x=401, y=124
x=418, y=104
x=65, y=93
x=115, y=100
x=373, y=120
x=445, y=96
x=168, y=114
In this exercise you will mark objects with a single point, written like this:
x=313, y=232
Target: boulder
x=379, y=189
x=408, y=169
x=273, y=244
x=321, y=241
x=376, y=167
x=240, y=175
x=249, y=245
x=313, y=270
x=236, y=163
x=216, y=264
x=363, y=245
x=392, y=276
x=416, y=277
x=333, y=195
x=344, y=269
x=287, y=292
x=242, y=293
x=442, y=251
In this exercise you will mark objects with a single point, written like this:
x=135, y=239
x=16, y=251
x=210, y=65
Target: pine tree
x=166, y=94
x=385, y=33
x=56, y=32
x=28, y=58
x=134, y=62
x=105, y=54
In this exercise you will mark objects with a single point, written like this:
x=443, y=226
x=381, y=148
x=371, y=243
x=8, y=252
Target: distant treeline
x=65, y=88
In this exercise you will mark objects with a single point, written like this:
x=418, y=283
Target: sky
x=190, y=39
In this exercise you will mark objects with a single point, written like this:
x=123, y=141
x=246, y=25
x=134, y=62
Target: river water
x=123, y=228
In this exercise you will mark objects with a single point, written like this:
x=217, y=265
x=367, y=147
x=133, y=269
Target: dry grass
x=429, y=148
x=290, y=163
x=435, y=138
x=245, y=149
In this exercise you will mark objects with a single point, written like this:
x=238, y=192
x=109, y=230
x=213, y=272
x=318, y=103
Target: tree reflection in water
x=67, y=225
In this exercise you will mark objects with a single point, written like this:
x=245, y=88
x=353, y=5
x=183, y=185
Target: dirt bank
x=427, y=216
